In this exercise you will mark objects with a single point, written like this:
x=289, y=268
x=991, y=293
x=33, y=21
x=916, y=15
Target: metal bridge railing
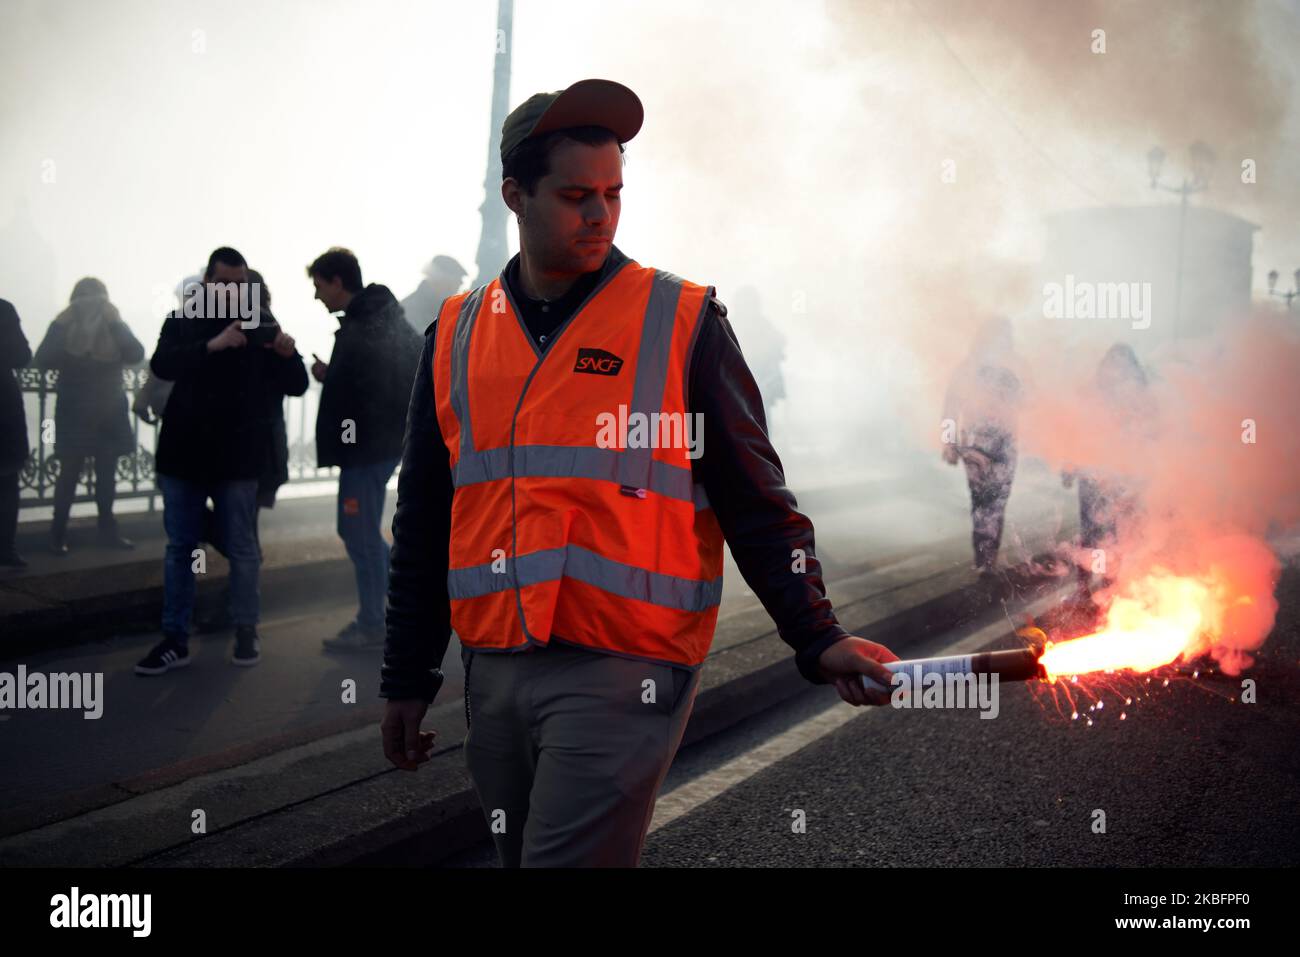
x=135, y=471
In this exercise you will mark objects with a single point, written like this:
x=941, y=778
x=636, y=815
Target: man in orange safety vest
x=561, y=508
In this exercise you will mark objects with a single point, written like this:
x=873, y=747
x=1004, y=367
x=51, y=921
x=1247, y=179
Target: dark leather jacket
x=368, y=381
x=218, y=426
x=739, y=469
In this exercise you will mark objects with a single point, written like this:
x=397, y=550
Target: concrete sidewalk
x=95, y=592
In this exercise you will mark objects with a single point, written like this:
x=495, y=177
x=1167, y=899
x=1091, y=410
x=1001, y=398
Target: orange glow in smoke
x=1156, y=620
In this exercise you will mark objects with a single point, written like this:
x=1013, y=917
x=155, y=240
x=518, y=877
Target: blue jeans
x=184, y=506
x=360, y=515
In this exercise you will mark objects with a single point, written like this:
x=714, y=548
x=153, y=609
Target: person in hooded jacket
x=366, y=387
x=89, y=344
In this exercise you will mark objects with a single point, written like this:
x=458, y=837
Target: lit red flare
x=1156, y=621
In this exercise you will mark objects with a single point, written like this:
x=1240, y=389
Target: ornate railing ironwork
x=135, y=471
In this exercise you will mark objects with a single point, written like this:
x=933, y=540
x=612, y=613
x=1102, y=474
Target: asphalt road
x=1185, y=776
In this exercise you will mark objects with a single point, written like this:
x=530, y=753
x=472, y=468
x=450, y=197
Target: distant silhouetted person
x=89, y=344
x=14, y=354
x=1110, y=502
x=214, y=442
x=763, y=346
x=982, y=407
x=442, y=278
x=360, y=424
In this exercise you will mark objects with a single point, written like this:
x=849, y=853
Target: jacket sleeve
x=175, y=356
x=759, y=515
x=348, y=389
x=350, y=364
x=14, y=349
x=49, y=354
x=290, y=375
x=130, y=347
x=419, y=609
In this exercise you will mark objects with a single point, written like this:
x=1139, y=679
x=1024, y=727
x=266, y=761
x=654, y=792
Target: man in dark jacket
x=274, y=474
x=214, y=441
x=365, y=389
x=14, y=354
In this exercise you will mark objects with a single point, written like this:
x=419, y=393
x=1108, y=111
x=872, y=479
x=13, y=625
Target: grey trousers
x=567, y=749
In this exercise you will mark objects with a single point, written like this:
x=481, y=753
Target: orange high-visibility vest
x=569, y=517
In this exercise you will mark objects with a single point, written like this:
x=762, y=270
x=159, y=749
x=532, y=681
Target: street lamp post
x=491, y=255
x=1290, y=294
x=1202, y=158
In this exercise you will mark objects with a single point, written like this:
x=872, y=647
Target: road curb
x=439, y=816
x=134, y=609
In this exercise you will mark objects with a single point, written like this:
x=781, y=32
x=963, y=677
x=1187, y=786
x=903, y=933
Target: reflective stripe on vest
x=635, y=468
x=584, y=565
x=566, y=460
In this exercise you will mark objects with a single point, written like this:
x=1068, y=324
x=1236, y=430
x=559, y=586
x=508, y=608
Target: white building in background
x=1125, y=259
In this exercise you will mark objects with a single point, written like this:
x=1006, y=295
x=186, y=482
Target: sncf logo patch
x=597, y=362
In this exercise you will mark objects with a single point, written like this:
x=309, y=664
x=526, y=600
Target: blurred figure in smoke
x=442, y=278
x=89, y=344
x=764, y=349
x=980, y=414
x=14, y=354
x=1110, y=501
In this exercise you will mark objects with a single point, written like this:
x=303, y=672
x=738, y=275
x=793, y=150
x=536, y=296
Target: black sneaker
x=11, y=559
x=164, y=656
x=248, y=647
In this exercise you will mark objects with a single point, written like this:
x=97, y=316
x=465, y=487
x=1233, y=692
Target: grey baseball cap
x=585, y=103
